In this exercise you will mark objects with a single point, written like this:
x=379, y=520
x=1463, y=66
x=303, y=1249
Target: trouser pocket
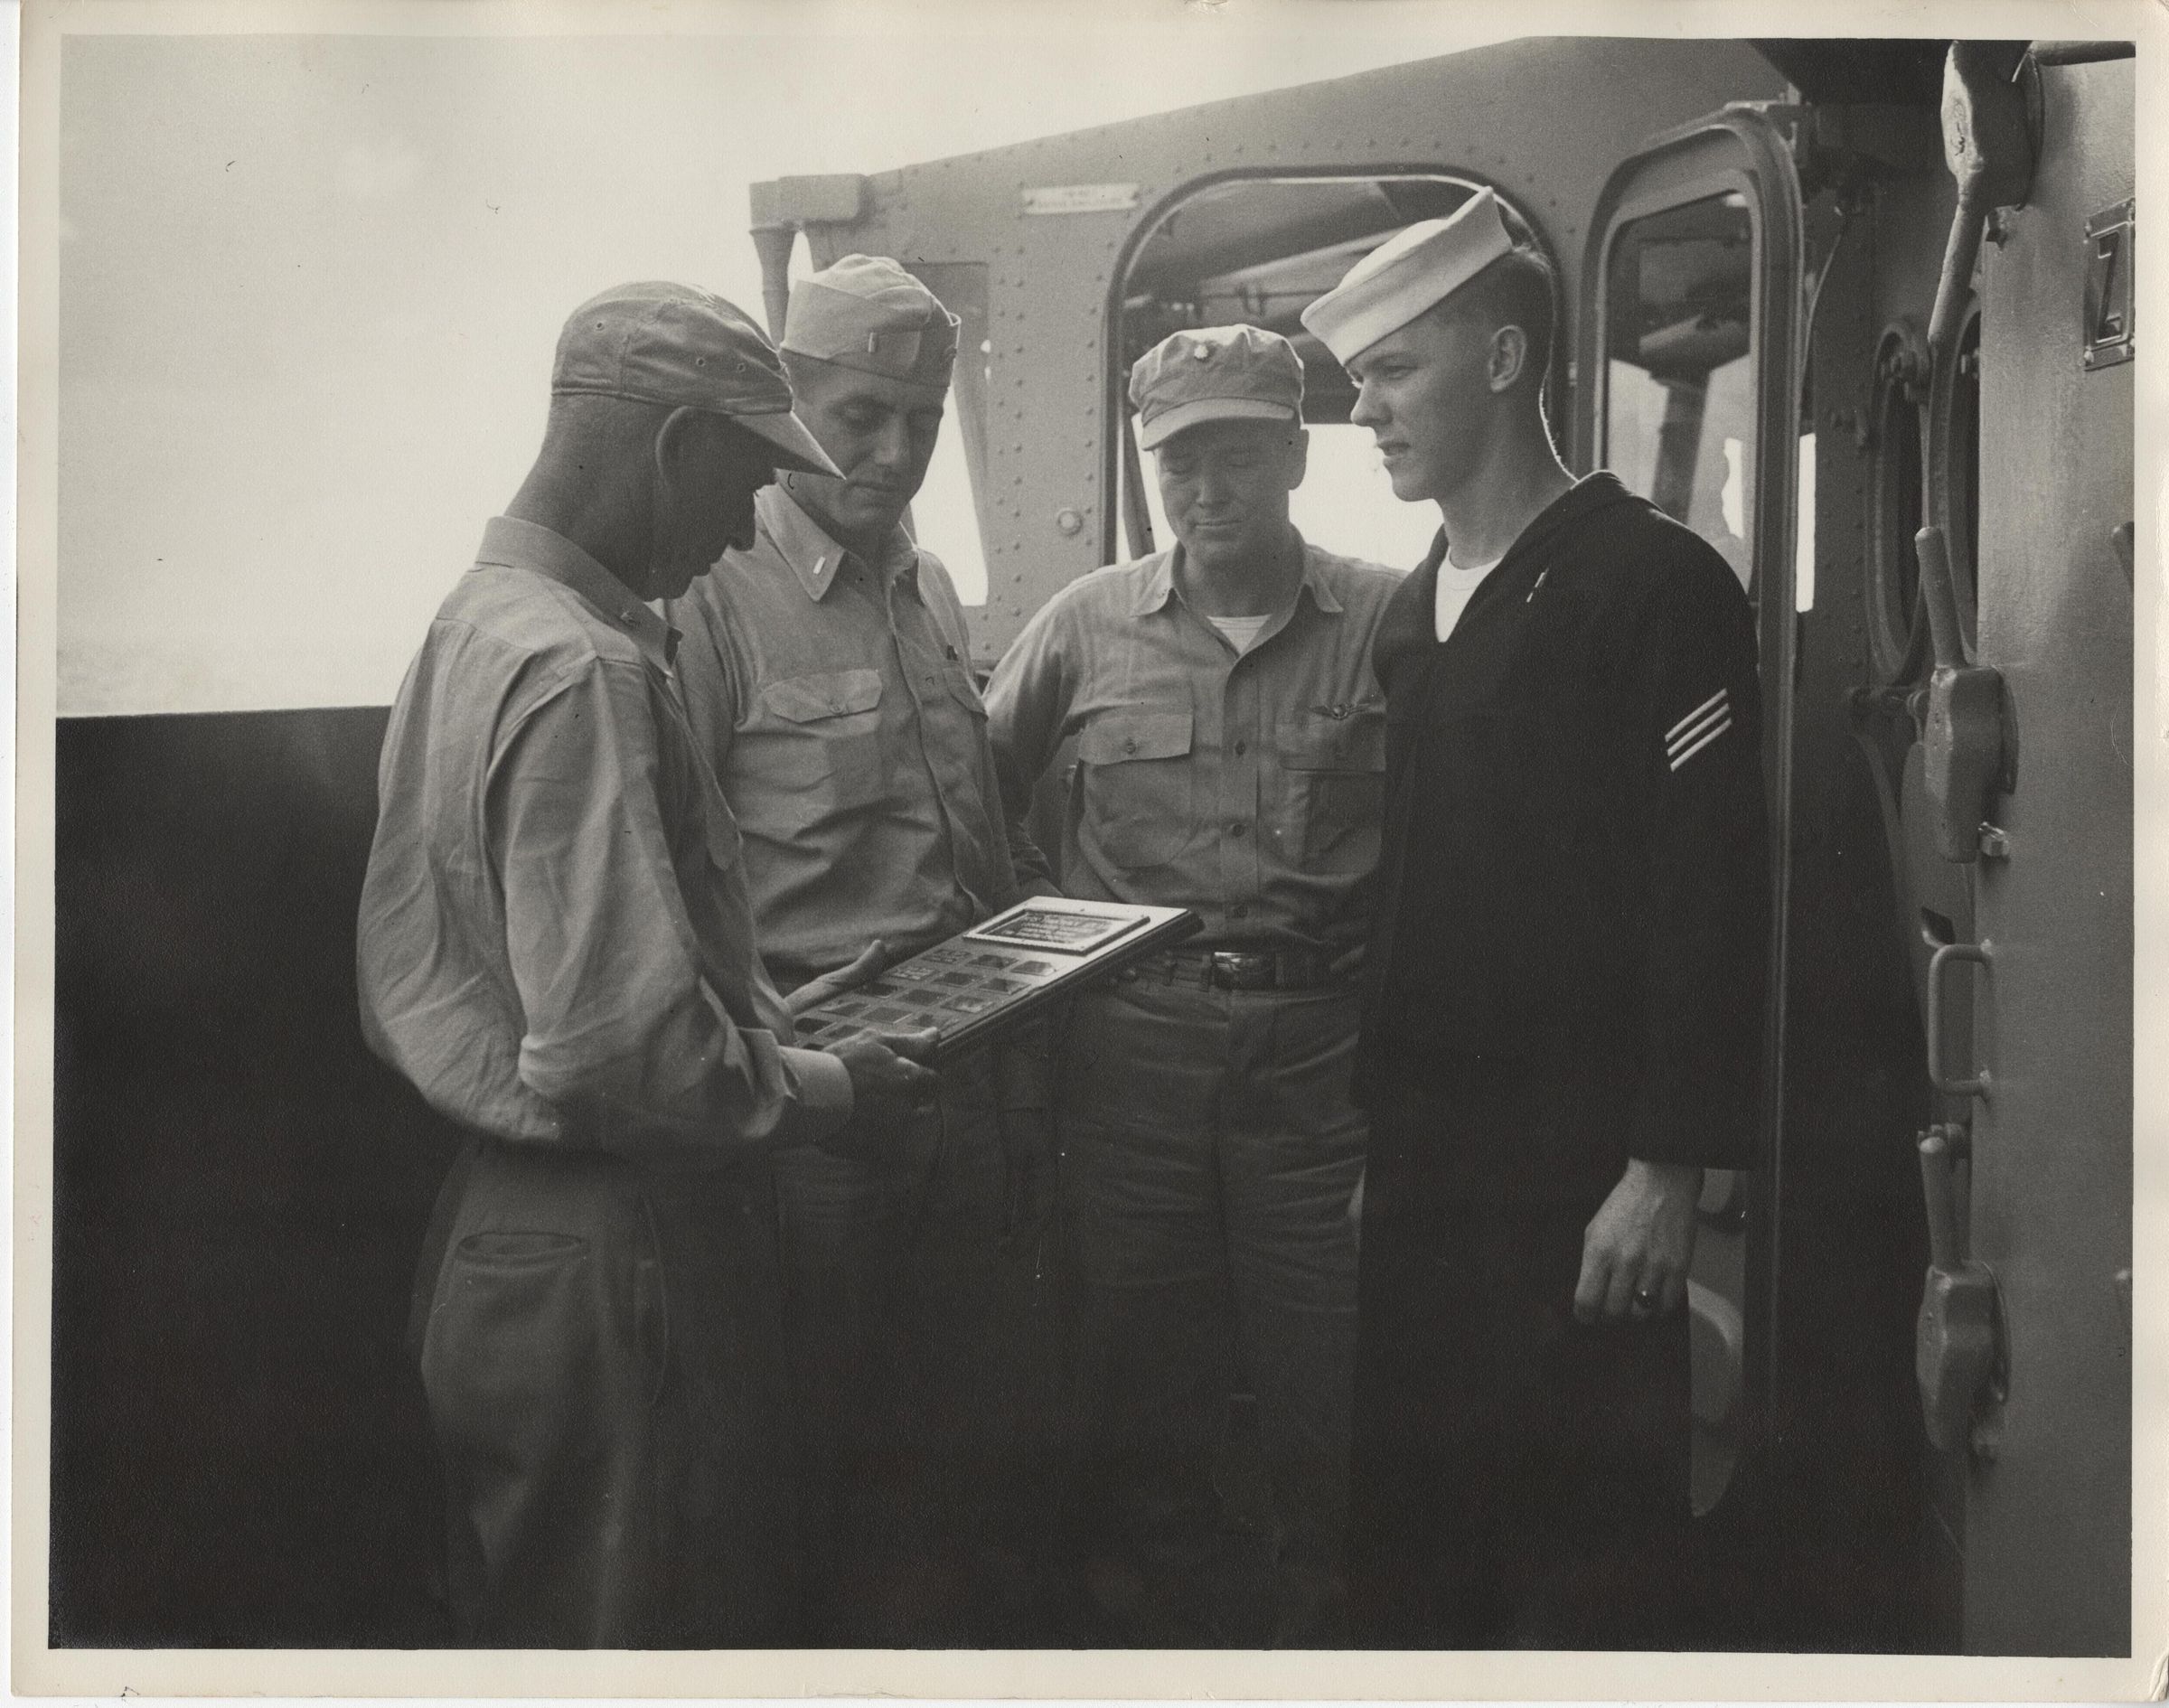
x=540, y=1363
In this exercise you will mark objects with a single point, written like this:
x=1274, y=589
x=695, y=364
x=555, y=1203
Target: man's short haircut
x=594, y=420
x=1518, y=289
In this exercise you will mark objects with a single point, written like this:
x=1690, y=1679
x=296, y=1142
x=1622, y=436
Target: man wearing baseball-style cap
x=1564, y=1000
x=1230, y=746
x=554, y=947
x=828, y=672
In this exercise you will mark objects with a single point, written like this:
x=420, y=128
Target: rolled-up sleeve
x=623, y=1031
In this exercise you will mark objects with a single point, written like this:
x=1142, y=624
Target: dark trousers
x=1209, y=1151
x=904, y=1313
x=602, y=1353
x=1520, y=1480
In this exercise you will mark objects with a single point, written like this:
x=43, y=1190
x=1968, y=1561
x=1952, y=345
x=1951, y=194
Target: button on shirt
x=1247, y=785
x=834, y=698
x=555, y=943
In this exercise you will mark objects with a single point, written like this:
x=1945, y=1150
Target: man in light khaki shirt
x=1231, y=755
x=555, y=948
x=827, y=674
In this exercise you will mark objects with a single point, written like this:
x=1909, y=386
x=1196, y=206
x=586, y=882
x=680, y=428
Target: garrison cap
x=1215, y=373
x=680, y=346
x=865, y=312
x=1408, y=272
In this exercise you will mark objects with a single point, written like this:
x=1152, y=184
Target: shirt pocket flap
x=1118, y=736
x=806, y=700
x=1353, y=742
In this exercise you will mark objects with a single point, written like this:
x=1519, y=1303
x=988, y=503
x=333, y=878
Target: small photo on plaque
x=976, y=988
x=1062, y=928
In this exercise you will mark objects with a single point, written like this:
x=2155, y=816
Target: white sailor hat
x=1415, y=268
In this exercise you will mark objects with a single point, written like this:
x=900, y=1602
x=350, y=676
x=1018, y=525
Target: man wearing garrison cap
x=554, y=947
x=828, y=671
x=1565, y=989
x=1231, y=745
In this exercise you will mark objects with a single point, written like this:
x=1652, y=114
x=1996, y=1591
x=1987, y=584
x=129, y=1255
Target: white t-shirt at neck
x=1455, y=586
x=1242, y=631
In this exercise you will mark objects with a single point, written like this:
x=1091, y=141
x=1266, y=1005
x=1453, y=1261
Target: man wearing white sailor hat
x=1562, y=1018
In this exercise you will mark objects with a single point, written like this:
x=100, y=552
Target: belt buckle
x=1242, y=970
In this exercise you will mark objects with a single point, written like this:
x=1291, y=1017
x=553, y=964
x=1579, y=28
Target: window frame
x=1740, y=151
x=1117, y=438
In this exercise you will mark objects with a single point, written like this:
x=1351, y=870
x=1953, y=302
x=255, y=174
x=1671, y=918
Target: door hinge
x=1958, y=1337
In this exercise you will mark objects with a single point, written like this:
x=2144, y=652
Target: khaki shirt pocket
x=825, y=734
x=1137, y=780
x=1335, y=771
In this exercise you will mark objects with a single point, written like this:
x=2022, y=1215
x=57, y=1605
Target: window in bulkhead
x=1257, y=251
x=1679, y=383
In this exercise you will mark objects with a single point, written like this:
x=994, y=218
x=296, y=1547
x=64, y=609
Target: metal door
x=1687, y=387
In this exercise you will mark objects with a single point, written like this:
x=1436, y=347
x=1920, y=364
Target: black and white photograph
x=1259, y=847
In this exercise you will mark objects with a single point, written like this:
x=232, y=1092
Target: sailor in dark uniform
x=1563, y=1020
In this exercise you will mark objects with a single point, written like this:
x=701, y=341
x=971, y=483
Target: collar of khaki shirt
x=1159, y=585
x=510, y=543
x=814, y=556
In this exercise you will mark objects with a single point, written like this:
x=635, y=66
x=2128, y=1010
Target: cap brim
x=1162, y=427
x=786, y=435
